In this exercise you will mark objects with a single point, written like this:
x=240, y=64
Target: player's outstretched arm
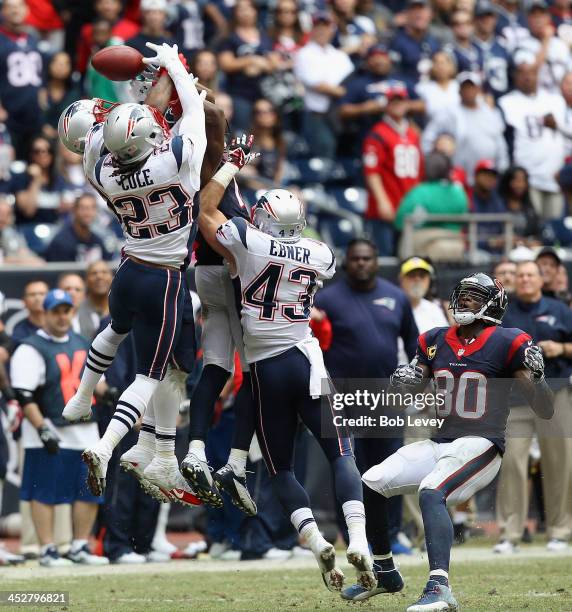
x=193, y=118
x=210, y=217
x=533, y=384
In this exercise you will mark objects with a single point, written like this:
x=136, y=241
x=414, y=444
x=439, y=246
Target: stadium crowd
x=374, y=113
x=452, y=108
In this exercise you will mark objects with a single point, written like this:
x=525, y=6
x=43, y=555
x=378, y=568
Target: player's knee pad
x=379, y=478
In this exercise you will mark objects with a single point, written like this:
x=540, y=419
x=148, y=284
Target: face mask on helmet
x=464, y=314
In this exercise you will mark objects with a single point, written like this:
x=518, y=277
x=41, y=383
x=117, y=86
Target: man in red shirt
x=392, y=165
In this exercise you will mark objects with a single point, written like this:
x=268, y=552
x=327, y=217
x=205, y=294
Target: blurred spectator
x=462, y=48
x=321, y=68
x=59, y=92
x=447, y=145
x=74, y=285
x=187, y=23
x=549, y=263
x=531, y=116
x=282, y=87
x=505, y=271
x=552, y=53
x=415, y=278
x=412, y=45
x=562, y=286
x=549, y=323
x=476, y=127
x=436, y=195
x=266, y=171
x=355, y=34
x=122, y=29
x=511, y=24
x=76, y=241
x=494, y=59
x=514, y=190
x=364, y=101
x=42, y=369
x=153, y=27
x=40, y=196
x=21, y=76
x=392, y=164
x=35, y=292
x=70, y=169
x=205, y=68
x=95, y=307
x=95, y=84
x=6, y=156
x=440, y=93
x=560, y=12
x=368, y=315
x=486, y=199
x=44, y=20
x=246, y=57
x=13, y=247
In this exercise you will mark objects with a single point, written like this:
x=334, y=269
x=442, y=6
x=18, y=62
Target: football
x=118, y=62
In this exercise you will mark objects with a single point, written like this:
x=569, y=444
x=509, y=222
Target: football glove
x=165, y=54
x=14, y=415
x=534, y=362
x=239, y=152
x=49, y=439
x=409, y=375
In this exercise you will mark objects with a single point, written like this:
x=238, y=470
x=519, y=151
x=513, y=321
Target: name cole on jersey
x=278, y=283
x=476, y=378
x=153, y=203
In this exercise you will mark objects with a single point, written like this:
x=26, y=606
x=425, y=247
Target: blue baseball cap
x=57, y=297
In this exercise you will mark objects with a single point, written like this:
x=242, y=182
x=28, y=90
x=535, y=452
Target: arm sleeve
x=409, y=332
x=516, y=349
x=421, y=352
x=232, y=236
x=27, y=368
x=192, y=125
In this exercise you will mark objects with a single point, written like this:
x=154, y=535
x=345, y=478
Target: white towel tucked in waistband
x=319, y=380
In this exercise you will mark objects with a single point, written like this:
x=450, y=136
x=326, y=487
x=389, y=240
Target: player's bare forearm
x=540, y=395
x=161, y=93
x=215, y=124
x=33, y=413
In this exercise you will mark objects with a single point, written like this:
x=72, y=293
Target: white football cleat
x=84, y=556
x=164, y=473
x=96, y=461
x=51, y=558
x=505, y=547
x=556, y=545
x=134, y=461
x=359, y=556
x=130, y=558
x=77, y=409
x=325, y=555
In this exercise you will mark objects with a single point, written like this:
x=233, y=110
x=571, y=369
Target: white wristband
x=225, y=174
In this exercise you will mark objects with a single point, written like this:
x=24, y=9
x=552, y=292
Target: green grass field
x=536, y=584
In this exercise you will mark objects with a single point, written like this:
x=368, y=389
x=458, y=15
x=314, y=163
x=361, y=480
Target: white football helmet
x=74, y=124
x=281, y=214
x=132, y=131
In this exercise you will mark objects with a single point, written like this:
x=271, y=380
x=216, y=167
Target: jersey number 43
x=262, y=292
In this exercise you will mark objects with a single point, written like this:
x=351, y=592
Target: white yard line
x=32, y=571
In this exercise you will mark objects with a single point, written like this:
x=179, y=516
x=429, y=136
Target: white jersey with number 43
x=278, y=282
x=153, y=204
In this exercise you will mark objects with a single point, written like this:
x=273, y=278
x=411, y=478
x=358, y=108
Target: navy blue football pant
x=281, y=395
x=148, y=301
